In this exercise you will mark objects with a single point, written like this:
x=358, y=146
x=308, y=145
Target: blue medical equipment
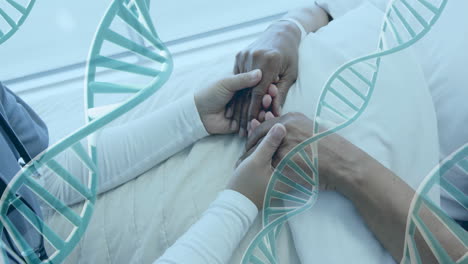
x=437, y=180
x=135, y=16
x=14, y=14
x=342, y=101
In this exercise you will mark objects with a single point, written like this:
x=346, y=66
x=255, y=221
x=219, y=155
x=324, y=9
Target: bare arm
x=380, y=196
x=383, y=200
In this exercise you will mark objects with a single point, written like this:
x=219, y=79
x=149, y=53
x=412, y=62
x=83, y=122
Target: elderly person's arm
x=380, y=196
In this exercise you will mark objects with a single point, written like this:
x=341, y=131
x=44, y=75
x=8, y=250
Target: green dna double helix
x=438, y=180
x=344, y=98
x=131, y=16
x=14, y=14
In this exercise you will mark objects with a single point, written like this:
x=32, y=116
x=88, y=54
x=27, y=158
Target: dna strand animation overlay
x=123, y=18
x=295, y=181
x=437, y=180
x=13, y=13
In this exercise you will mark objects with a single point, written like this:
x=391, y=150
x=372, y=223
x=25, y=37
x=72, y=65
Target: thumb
x=241, y=81
x=270, y=143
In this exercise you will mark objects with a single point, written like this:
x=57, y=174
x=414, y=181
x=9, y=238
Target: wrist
x=286, y=29
x=201, y=113
x=353, y=172
x=342, y=165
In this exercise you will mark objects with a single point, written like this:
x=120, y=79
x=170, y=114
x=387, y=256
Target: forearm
x=217, y=234
x=312, y=18
x=128, y=150
x=384, y=200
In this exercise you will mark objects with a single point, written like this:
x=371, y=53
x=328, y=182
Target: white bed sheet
x=138, y=221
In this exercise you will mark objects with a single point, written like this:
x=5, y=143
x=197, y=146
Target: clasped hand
x=250, y=102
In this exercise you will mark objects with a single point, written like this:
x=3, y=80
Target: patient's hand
x=251, y=177
x=338, y=158
x=299, y=128
x=211, y=101
x=276, y=54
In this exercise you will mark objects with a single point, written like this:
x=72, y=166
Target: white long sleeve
x=128, y=150
x=217, y=234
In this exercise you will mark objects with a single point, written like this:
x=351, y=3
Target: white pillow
x=398, y=129
x=443, y=56
x=338, y=8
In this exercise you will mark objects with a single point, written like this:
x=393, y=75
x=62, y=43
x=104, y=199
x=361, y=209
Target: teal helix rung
x=82, y=154
x=343, y=100
x=139, y=20
x=402, y=30
x=124, y=42
x=437, y=179
x=26, y=251
x=14, y=17
x=107, y=62
x=135, y=15
x=54, y=202
x=38, y=224
x=102, y=87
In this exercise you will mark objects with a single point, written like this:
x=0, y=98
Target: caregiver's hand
x=275, y=52
x=251, y=177
x=337, y=156
x=211, y=101
x=299, y=128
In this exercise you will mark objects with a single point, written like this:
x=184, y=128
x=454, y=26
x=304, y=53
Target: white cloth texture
x=217, y=234
x=127, y=150
x=138, y=221
x=443, y=57
x=398, y=129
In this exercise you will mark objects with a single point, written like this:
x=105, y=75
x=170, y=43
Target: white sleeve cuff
x=298, y=24
x=239, y=203
x=214, y=237
x=192, y=117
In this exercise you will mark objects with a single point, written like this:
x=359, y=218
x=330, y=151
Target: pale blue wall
x=59, y=33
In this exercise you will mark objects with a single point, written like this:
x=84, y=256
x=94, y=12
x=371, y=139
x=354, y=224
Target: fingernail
x=269, y=115
x=242, y=132
x=229, y=112
x=266, y=101
x=278, y=132
x=273, y=90
x=261, y=116
x=234, y=125
x=256, y=74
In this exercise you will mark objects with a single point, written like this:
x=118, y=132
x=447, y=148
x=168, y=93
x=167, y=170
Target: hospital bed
x=137, y=221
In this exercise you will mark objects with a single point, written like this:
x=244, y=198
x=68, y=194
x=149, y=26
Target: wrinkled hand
x=211, y=101
x=337, y=157
x=276, y=54
x=251, y=177
x=299, y=128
